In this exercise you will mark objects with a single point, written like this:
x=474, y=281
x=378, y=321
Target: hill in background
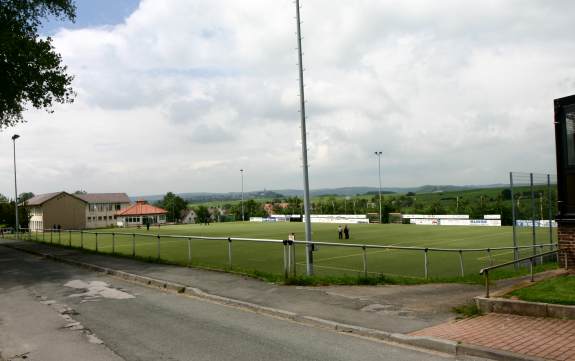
x=199, y=197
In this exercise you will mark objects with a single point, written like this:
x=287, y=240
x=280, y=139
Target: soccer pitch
x=336, y=261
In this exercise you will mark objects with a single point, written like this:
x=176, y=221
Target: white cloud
x=184, y=93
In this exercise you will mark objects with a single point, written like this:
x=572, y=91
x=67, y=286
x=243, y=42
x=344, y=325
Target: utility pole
x=17, y=225
x=242, y=173
x=307, y=220
x=378, y=153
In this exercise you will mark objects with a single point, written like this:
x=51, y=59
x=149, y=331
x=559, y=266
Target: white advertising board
x=457, y=222
x=435, y=216
x=538, y=223
x=338, y=218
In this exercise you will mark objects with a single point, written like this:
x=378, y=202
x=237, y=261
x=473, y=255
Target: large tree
x=23, y=197
x=174, y=204
x=31, y=71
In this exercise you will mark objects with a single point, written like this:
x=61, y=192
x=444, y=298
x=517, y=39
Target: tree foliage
x=23, y=197
x=31, y=71
x=8, y=218
x=174, y=205
x=202, y=214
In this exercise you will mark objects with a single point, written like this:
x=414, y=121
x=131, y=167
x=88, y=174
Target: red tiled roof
x=141, y=209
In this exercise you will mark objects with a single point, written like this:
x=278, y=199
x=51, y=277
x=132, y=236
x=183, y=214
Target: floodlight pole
x=378, y=153
x=17, y=225
x=307, y=220
x=242, y=172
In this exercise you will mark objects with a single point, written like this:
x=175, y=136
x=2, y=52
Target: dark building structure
x=565, y=148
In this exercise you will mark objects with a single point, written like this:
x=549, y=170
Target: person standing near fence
x=346, y=231
x=339, y=232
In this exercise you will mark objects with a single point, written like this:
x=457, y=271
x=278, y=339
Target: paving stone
x=548, y=338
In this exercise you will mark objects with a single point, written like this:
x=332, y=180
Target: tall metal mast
x=307, y=220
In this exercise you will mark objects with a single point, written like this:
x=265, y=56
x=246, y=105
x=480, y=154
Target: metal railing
x=53, y=236
x=531, y=259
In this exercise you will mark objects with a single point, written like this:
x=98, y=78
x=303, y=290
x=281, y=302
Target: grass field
x=329, y=261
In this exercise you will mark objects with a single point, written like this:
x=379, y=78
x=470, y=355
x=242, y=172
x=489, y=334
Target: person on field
x=346, y=231
x=339, y=232
x=291, y=237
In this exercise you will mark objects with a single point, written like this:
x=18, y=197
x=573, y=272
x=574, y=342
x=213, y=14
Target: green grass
x=340, y=265
x=559, y=290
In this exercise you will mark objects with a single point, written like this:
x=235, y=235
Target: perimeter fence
x=534, y=206
x=285, y=257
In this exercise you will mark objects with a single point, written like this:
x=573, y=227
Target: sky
x=179, y=95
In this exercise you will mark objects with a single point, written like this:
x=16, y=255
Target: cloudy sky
x=178, y=95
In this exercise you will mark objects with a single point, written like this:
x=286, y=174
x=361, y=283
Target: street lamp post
x=17, y=225
x=306, y=200
x=378, y=153
x=242, y=173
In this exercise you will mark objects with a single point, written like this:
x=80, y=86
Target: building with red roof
x=139, y=214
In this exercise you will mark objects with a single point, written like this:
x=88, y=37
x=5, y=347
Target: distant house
x=269, y=207
x=189, y=216
x=75, y=211
x=140, y=214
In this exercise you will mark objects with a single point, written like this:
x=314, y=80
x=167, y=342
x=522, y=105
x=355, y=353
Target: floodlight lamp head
x=15, y=136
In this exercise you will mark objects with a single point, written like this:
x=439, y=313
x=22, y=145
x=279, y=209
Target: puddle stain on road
x=97, y=289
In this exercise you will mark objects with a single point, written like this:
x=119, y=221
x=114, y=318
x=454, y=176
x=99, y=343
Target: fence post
x=133, y=245
x=426, y=264
x=289, y=251
x=486, y=283
x=531, y=268
x=81, y=239
x=541, y=251
x=293, y=260
x=364, y=261
x=158, y=246
x=96, y=241
x=490, y=257
x=285, y=249
x=461, y=263
x=59, y=237
x=533, y=235
x=51, y=235
x=229, y=252
x=513, y=216
x=70, y=238
x=113, y=243
x=189, y=251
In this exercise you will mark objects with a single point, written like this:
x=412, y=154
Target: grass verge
x=559, y=290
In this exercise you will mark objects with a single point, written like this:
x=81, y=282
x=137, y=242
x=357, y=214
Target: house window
x=118, y=207
x=99, y=218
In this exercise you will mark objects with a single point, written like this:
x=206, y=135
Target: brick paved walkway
x=548, y=338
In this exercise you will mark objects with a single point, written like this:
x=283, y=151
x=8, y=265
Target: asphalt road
x=52, y=311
